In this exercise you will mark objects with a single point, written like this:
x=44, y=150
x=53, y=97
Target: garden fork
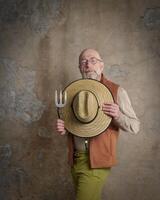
x=60, y=101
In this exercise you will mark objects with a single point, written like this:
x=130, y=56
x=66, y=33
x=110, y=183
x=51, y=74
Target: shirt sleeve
x=127, y=120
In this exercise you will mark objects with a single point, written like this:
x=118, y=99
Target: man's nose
x=88, y=64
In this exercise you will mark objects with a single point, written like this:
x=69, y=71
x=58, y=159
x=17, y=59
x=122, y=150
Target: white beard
x=92, y=75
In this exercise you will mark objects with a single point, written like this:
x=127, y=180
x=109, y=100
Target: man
x=89, y=171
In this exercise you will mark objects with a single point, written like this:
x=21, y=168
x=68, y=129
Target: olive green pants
x=88, y=182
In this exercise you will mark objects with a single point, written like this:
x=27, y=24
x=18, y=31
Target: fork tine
x=56, y=98
x=60, y=97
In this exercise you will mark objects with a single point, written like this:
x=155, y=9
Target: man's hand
x=111, y=109
x=60, y=127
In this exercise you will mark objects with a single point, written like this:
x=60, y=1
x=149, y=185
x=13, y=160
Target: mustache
x=89, y=72
x=92, y=72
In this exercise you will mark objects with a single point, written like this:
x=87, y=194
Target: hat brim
x=101, y=121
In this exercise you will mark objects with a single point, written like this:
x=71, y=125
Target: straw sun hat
x=82, y=114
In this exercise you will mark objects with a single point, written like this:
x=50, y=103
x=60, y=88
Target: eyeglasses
x=92, y=60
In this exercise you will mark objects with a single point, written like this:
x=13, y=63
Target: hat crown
x=85, y=106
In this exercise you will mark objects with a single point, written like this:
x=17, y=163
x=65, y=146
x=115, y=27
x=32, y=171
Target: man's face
x=91, y=65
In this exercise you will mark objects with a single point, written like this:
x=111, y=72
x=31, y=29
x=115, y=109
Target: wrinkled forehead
x=89, y=54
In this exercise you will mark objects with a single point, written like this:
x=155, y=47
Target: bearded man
x=91, y=159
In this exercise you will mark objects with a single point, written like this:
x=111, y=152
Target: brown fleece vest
x=102, y=148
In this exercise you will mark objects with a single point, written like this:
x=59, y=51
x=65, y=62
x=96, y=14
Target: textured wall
x=39, y=45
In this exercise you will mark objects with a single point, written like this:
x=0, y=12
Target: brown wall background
x=39, y=46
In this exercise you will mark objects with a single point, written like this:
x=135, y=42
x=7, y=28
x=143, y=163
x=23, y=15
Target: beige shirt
x=127, y=120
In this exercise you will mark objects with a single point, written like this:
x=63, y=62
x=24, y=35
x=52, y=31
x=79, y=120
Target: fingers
x=110, y=109
x=113, y=105
x=60, y=123
x=60, y=127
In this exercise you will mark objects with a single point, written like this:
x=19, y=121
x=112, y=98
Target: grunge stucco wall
x=39, y=46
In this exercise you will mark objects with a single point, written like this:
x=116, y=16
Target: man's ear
x=80, y=69
x=102, y=66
